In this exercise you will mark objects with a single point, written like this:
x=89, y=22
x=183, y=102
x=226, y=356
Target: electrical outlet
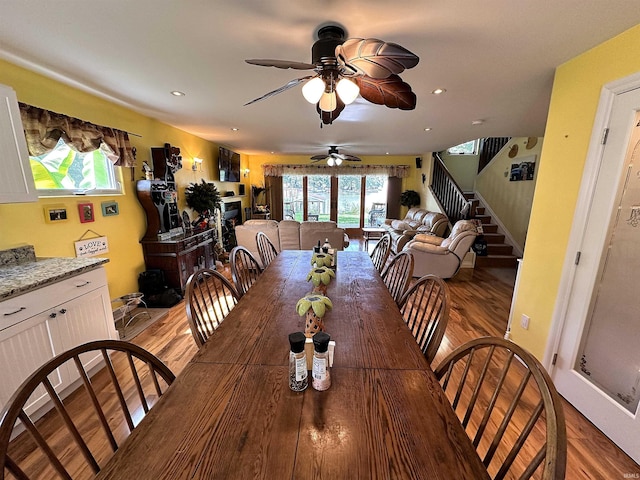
x=524, y=322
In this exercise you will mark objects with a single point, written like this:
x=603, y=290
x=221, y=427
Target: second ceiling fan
x=345, y=68
x=335, y=158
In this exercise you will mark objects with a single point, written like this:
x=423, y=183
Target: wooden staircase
x=499, y=254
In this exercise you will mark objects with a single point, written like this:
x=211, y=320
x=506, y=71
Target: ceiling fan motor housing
x=324, y=49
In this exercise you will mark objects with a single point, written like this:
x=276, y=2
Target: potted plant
x=410, y=198
x=204, y=198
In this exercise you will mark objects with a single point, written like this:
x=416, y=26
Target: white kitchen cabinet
x=48, y=321
x=16, y=181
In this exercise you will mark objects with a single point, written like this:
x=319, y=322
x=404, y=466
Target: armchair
x=442, y=256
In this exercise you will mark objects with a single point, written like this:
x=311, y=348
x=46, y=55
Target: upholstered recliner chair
x=442, y=256
x=416, y=221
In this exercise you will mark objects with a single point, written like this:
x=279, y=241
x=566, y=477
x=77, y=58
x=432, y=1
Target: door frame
x=583, y=207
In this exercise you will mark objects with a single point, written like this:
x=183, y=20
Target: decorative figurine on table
x=321, y=277
x=314, y=306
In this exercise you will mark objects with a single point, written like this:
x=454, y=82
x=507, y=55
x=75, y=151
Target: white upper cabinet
x=16, y=180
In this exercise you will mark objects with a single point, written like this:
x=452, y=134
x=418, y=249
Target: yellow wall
x=510, y=201
x=24, y=223
x=574, y=102
x=463, y=169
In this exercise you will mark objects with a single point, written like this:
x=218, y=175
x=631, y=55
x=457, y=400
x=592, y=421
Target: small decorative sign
x=91, y=247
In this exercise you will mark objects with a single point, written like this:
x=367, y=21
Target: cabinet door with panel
x=24, y=347
x=16, y=181
x=84, y=319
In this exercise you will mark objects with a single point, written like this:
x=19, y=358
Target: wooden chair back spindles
x=266, y=249
x=245, y=269
x=508, y=406
x=381, y=252
x=119, y=382
x=425, y=309
x=398, y=274
x=209, y=297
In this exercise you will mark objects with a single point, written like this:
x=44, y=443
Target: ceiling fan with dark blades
x=335, y=158
x=346, y=68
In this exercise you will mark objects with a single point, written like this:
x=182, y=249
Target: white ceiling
x=496, y=58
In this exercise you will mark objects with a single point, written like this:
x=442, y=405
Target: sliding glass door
x=353, y=201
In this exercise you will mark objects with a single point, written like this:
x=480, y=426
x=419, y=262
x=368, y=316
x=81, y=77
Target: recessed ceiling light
x=234, y=129
x=438, y=91
x=477, y=122
x=177, y=93
x=428, y=129
x=387, y=153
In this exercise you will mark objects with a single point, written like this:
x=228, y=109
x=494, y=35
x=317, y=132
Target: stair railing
x=449, y=194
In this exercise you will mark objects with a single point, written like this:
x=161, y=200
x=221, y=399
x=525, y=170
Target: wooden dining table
x=230, y=412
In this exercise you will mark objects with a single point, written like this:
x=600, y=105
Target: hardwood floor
x=480, y=306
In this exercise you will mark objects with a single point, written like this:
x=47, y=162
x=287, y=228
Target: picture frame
x=110, y=209
x=55, y=213
x=85, y=210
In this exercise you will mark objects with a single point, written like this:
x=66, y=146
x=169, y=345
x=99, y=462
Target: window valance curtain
x=277, y=170
x=43, y=130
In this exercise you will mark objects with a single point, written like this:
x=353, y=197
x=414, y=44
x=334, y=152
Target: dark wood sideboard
x=180, y=256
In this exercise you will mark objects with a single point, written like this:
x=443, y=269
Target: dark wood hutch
x=177, y=251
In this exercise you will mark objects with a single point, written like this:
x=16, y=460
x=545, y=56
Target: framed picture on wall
x=55, y=213
x=109, y=209
x=85, y=210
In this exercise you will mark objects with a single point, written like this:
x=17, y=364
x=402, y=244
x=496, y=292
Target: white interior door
x=598, y=364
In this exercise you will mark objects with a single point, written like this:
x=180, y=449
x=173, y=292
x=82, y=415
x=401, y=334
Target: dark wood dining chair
x=397, y=275
x=508, y=406
x=245, y=269
x=425, y=309
x=95, y=418
x=209, y=297
x=381, y=251
x=266, y=249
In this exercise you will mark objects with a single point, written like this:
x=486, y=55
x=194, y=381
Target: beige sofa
x=417, y=220
x=442, y=256
x=290, y=235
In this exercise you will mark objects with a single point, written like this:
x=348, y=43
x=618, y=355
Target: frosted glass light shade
x=313, y=90
x=347, y=90
x=338, y=161
x=328, y=102
x=330, y=161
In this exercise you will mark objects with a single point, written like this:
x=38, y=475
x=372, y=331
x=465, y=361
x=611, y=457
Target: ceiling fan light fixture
x=347, y=90
x=313, y=90
x=330, y=161
x=338, y=161
x=328, y=102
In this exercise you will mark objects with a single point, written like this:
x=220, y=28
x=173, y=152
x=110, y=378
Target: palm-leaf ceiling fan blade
x=375, y=58
x=265, y=62
x=351, y=158
x=391, y=92
x=290, y=84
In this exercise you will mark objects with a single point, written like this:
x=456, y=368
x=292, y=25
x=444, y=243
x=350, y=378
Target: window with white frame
x=63, y=171
x=467, y=148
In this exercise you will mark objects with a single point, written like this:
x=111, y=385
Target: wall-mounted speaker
x=241, y=189
x=418, y=162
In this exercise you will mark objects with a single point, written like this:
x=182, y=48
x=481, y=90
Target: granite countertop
x=21, y=271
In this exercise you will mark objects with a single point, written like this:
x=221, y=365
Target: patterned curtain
x=400, y=171
x=44, y=128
